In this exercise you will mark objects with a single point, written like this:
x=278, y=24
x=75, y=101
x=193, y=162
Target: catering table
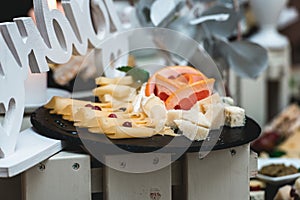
x=227, y=169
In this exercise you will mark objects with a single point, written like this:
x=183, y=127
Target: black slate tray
x=53, y=126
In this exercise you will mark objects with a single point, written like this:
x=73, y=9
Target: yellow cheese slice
x=110, y=98
x=117, y=91
x=126, y=80
x=122, y=132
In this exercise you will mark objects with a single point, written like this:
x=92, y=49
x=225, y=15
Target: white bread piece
x=192, y=131
x=201, y=105
x=215, y=115
x=193, y=116
x=234, y=116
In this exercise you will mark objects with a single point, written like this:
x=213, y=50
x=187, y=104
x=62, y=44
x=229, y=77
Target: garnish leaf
x=139, y=75
x=124, y=68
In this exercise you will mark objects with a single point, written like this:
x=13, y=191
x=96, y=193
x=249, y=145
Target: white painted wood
x=253, y=93
x=12, y=98
x=53, y=37
x=279, y=72
x=222, y=174
x=65, y=175
x=31, y=149
x=153, y=185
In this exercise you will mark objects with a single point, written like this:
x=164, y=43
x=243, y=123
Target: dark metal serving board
x=53, y=126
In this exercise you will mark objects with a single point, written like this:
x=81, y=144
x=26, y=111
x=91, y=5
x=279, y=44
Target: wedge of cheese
x=192, y=131
x=215, y=115
x=195, y=117
x=203, y=103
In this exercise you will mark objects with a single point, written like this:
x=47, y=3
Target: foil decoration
x=212, y=23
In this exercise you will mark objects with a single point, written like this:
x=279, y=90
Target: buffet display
x=281, y=135
x=279, y=150
x=173, y=101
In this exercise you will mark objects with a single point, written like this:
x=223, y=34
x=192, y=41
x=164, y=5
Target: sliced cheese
x=121, y=132
x=117, y=91
x=126, y=80
x=155, y=109
x=110, y=98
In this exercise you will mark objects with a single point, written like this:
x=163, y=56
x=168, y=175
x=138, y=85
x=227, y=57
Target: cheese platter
x=175, y=108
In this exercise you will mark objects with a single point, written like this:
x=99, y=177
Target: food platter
x=53, y=126
x=281, y=179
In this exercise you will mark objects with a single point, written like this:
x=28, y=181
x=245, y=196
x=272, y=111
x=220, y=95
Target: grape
x=96, y=108
x=112, y=115
x=89, y=105
x=127, y=124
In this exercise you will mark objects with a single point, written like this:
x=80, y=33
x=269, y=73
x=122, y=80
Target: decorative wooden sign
x=54, y=38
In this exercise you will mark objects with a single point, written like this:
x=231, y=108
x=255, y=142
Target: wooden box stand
x=222, y=174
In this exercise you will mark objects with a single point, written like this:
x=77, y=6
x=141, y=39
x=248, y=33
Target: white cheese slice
x=155, y=109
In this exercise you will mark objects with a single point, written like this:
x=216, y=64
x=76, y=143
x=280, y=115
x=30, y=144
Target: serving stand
x=51, y=154
x=226, y=169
